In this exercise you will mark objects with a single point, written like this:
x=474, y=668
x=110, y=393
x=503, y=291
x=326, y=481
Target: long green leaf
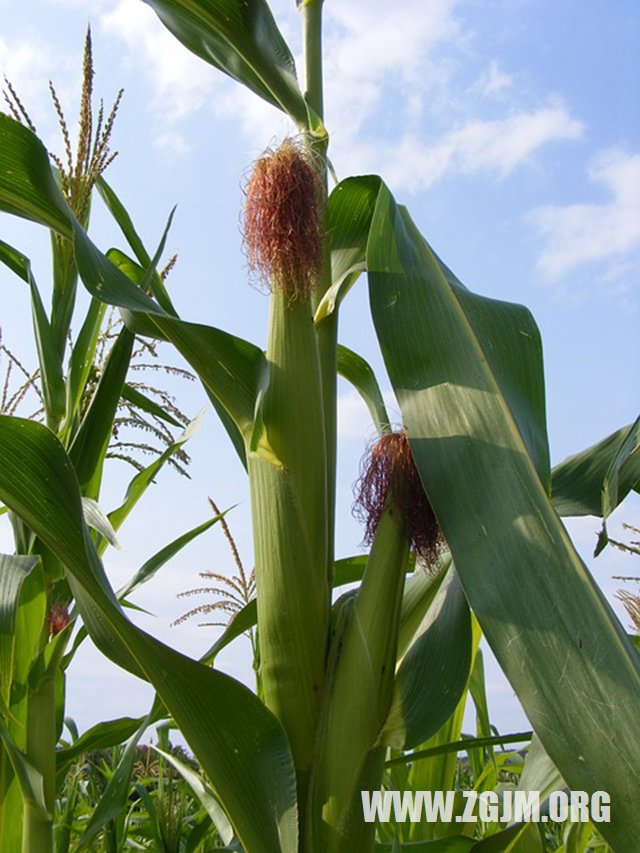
x=460, y=746
x=153, y=564
x=90, y=443
x=474, y=423
x=355, y=370
x=29, y=778
x=121, y=216
x=52, y=382
x=240, y=38
x=615, y=486
x=239, y=743
x=432, y=674
x=27, y=186
x=113, y=799
x=147, y=404
x=204, y=794
x=14, y=570
x=100, y=736
x=577, y=482
x=143, y=479
x=80, y=364
x=351, y=206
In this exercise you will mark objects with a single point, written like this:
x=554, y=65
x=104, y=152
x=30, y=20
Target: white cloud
x=388, y=62
x=359, y=60
x=182, y=82
x=28, y=63
x=586, y=233
x=489, y=146
x=493, y=82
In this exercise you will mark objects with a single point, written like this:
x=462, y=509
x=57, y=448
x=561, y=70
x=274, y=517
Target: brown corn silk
x=389, y=476
x=282, y=231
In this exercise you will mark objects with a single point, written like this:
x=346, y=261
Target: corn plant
x=464, y=487
x=84, y=392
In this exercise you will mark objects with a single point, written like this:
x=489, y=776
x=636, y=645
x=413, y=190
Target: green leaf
x=141, y=401
x=100, y=736
x=18, y=636
x=233, y=369
x=119, y=213
x=420, y=588
x=477, y=689
x=577, y=482
x=501, y=842
x=628, y=451
x=80, y=364
x=457, y=746
x=351, y=206
x=204, y=794
x=52, y=382
x=27, y=186
x=239, y=624
x=113, y=799
x=355, y=370
x=539, y=772
x=147, y=277
x=28, y=776
x=23, y=605
x=141, y=482
x=432, y=674
x=96, y=518
x=151, y=566
x=14, y=570
x=474, y=421
x=240, y=38
x=456, y=844
x=90, y=443
x=240, y=744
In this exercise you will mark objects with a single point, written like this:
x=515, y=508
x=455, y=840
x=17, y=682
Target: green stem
x=41, y=740
x=312, y=41
x=288, y=496
x=327, y=331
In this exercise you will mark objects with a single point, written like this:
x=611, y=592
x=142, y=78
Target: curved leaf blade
x=577, y=482
x=27, y=186
x=240, y=38
x=560, y=638
x=14, y=570
x=239, y=743
x=355, y=370
x=432, y=674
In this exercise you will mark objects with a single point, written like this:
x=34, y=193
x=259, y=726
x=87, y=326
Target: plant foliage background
x=511, y=142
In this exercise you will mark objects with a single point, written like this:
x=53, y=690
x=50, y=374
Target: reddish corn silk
x=283, y=237
x=58, y=617
x=389, y=477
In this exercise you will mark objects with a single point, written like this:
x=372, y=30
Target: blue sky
x=510, y=128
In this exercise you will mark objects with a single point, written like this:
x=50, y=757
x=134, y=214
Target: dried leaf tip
x=283, y=237
x=389, y=476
